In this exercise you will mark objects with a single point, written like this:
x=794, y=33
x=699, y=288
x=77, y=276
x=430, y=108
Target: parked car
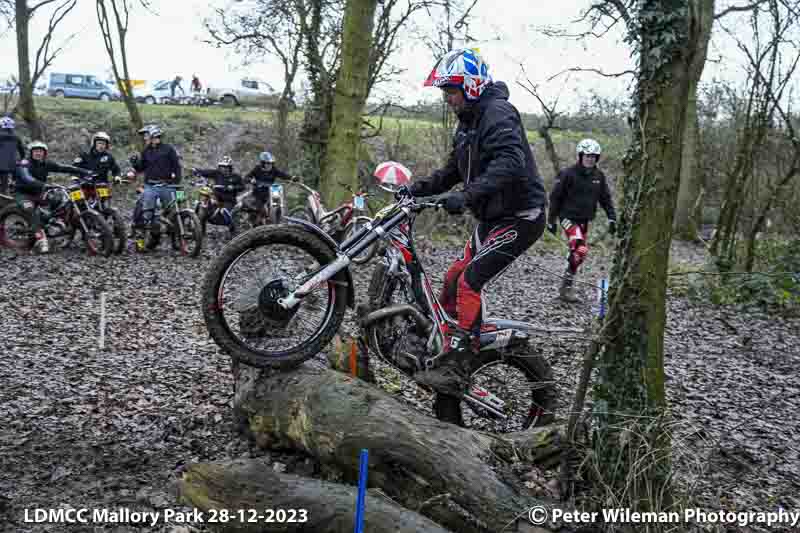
x=156, y=93
x=248, y=92
x=80, y=86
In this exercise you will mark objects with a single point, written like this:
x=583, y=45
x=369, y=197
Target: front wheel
x=119, y=229
x=16, y=228
x=353, y=227
x=244, y=283
x=96, y=233
x=189, y=239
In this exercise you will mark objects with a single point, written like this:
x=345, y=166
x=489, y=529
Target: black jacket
x=159, y=164
x=264, y=177
x=10, y=143
x=32, y=177
x=492, y=156
x=576, y=193
x=233, y=180
x=101, y=163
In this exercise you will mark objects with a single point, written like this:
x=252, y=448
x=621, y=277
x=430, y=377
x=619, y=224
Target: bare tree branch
x=739, y=9
x=595, y=71
x=44, y=57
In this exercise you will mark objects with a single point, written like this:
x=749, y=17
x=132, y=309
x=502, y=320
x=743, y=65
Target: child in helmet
x=263, y=175
x=32, y=177
x=227, y=183
x=9, y=143
x=99, y=159
x=576, y=192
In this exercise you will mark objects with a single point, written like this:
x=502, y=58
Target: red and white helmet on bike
x=464, y=69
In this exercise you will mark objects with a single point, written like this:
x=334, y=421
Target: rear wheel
x=521, y=380
x=241, y=291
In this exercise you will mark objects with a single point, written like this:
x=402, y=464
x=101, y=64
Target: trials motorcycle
x=276, y=296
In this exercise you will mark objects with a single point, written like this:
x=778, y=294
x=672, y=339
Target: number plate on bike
x=276, y=188
x=358, y=202
x=76, y=196
x=180, y=195
x=103, y=192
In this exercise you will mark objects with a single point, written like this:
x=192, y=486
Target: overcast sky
x=168, y=43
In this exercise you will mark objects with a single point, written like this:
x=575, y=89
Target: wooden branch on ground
x=315, y=506
x=414, y=458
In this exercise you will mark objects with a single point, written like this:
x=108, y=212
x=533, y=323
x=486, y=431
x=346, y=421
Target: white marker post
x=102, y=320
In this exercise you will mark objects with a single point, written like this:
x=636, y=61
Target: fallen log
x=319, y=506
x=459, y=478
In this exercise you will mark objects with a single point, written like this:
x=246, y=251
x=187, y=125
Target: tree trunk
x=550, y=148
x=122, y=79
x=283, y=130
x=316, y=117
x=632, y=447
x=761, y=218
x=328, y=507
x=341, y=158
x=26, y=104
x=413, y=457
x=688, y=215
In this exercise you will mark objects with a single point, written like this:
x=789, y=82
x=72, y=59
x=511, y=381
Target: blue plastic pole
x=603, y=289
x=362, y=491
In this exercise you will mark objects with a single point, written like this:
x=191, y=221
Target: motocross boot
x=451, y=376
x=567, y=291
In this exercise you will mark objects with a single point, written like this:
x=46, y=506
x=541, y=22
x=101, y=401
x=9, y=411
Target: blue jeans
x=148, y=199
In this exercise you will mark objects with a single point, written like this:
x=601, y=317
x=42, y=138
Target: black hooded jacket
x=577, y=191
x=491, y=155
x=10, y=147
x=101, y=163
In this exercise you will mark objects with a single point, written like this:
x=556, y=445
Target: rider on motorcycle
x=98, y=159
x=502, y=189
x=160, y=164
x=31, y=177
x=263, y=175
x=228, y=184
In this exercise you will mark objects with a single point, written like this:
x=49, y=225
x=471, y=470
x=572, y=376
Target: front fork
x=322, y=276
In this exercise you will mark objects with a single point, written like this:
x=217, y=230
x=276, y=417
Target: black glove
x=415, y=189
x=612, y=227
x=552, y=228
x=402, y=192
x=454, y=203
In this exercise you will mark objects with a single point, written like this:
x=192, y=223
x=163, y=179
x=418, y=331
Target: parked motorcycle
x=250, y=212
x=210, y=209
x=277, y=296
x=63, y=212
x=340, y=223
x=97, y=193
x=175, y=220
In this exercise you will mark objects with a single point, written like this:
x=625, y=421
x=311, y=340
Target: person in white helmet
x=99, y=158
x=576, y=192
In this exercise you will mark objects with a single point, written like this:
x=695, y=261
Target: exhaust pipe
x=421, y=320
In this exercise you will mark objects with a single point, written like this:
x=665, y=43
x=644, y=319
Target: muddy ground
x=88, y=427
